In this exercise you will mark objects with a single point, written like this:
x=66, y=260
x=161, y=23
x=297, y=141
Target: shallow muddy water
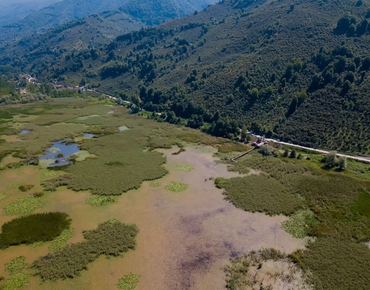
x=185, y=238
x=51, y=154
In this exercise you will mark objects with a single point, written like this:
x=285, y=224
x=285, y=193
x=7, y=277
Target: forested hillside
x=15, y=10
x=118, y=15
x=296, y=70
x=54, y=15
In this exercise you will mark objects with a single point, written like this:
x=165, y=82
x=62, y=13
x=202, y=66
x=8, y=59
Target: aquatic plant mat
x=184, y=167
x=71, y=260
x=128, y=282
x=177, y=186
x=18, y=278
x=25, y=205
x=101, y=200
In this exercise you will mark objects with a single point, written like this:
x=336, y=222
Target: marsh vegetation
x=74, y=258
x=329, y=204
x=39, y=227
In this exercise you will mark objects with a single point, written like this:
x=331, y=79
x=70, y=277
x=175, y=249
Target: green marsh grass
x=71, y=260
x=121, y=164
x=338, y=264
x=155, y=184
x=331, y=206
x=24, y=206
x=128, y=282
x=262, y=193
x=185, y=167
x=101, y=200
x=177, y=186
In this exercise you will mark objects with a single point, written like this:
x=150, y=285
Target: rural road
x=318, y=150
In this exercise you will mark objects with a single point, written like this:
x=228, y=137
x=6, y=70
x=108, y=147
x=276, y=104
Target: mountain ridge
x=295, y=70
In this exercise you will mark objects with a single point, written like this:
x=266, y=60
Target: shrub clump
x=25, y=188
x=101, y=200
x=128, y=282
x=220, y=182
x=38, y=194
x=111, y=238
x=177, y=186
x=184, y=167
x=39, y=227
x=24, y=205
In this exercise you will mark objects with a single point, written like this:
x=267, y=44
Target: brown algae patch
x=185, y=240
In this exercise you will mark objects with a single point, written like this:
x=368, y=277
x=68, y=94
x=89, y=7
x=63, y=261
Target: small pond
x=89, y=135
x=25, y=131
x=60, y=152
x=123, y=128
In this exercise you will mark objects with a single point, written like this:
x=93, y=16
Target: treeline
x=173, y=107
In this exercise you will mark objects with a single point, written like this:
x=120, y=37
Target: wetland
x=158, y=205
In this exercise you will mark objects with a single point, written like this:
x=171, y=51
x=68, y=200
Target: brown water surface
x=185, y=238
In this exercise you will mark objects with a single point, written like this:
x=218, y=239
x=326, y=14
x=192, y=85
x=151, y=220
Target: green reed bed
x=101, y=200
x=71, y=260
x=34, y=228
